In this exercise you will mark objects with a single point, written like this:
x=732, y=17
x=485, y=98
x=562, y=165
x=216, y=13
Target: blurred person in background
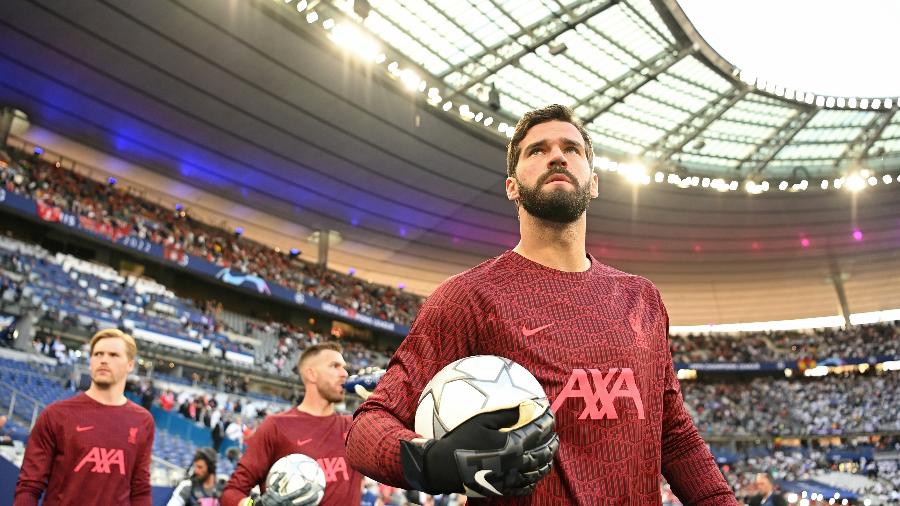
x=201, y=488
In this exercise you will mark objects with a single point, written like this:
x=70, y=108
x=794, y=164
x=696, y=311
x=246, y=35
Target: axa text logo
x=598, y=399
x=332, y=466
x=103, y=459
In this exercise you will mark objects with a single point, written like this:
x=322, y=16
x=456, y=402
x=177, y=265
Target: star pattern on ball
x=499, y=391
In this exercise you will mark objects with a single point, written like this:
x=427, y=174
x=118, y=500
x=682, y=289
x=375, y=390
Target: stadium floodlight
x=447, y=106
x=380, y=58
x=410, y=79
x=824, y=184
x=876, y=104
x=488, y=121
x=829, y=102
x=838, y=183
x=841, y=102
x=633, y=172
x=864, y=103
x=855, y=183
x=704, y=182
x=312, y=17
x=886, y=178
x=302, y=5
x=851, y=102
x=659, y=177
x=888, y=103
x=733, y=186
x=503, y=126
x=479, y=116
x=872, y=180
x=783, y=185
x=328, y=24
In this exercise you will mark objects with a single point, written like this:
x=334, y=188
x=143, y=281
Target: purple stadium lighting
x=295, y=252
x=38, y=150
x=111, y=180
x=804, y=242
x=179, y=207
x=352, y=271
x=401, y=286
x=239, y=230
x=402, y=232
x=857, y=235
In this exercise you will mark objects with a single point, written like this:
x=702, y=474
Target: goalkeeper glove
x=307, y=495
x=491, y=454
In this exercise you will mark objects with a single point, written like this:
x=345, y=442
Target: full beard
x=558, y=206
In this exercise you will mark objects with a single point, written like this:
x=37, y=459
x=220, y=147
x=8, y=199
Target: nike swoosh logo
x=479, y=479
x=301, y=442
x=79, y=428
x=528, y=333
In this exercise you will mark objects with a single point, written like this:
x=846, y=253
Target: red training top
x=82, y=451
x=293, y=431
x=597, y=341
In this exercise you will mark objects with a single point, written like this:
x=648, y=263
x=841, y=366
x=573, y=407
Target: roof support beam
x=615, y=91
x=766, y=151
x=676, y=139
x=562, y=27
x=498, y=48
x=860, y=146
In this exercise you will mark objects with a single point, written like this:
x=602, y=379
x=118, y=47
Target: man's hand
x=503, y=452
x=307, y=495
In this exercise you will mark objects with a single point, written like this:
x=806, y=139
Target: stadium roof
x=643, y=79
x=247, y=112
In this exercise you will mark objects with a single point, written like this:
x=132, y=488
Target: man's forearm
x=373, y=446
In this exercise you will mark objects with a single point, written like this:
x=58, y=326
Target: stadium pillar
x=323, y=247
x=837, y=280
x=6, y=119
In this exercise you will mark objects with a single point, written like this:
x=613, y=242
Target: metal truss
x=542, y=35
x=676, y=139
x=615, y=91
x=766, y=151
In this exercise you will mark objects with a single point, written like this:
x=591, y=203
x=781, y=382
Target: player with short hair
x=595, y=338
x=313, y=428
x=201, y=488
x=94, y=447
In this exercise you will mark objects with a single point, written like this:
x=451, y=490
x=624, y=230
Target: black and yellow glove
x=501, y=453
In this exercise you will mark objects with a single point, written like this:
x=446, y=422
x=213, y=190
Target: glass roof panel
x=601, y=70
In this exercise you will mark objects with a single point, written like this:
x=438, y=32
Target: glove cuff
x=412, y=457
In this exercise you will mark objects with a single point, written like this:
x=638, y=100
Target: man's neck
x=210, y=481
x=554, y=245
x=315, y=405
x=112, y=396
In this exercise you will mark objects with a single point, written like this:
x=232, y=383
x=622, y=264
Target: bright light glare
x=349, y=37
x=633, y=172
x=855, y=183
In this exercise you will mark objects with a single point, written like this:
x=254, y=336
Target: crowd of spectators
x=859, y=341
x=835, y=404
x=54, y=185
x=795, y=464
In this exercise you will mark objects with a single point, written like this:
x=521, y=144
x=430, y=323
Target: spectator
x=202, y=484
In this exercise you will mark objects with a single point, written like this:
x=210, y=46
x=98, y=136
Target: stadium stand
x=123, y=213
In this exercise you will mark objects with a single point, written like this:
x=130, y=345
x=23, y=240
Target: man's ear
x=595, y=184
x=512, y=189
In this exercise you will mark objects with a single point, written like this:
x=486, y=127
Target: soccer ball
x=470, y=386
x=298, y=470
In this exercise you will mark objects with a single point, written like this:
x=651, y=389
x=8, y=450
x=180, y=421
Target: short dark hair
x=315, y=349
x=553, y=112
